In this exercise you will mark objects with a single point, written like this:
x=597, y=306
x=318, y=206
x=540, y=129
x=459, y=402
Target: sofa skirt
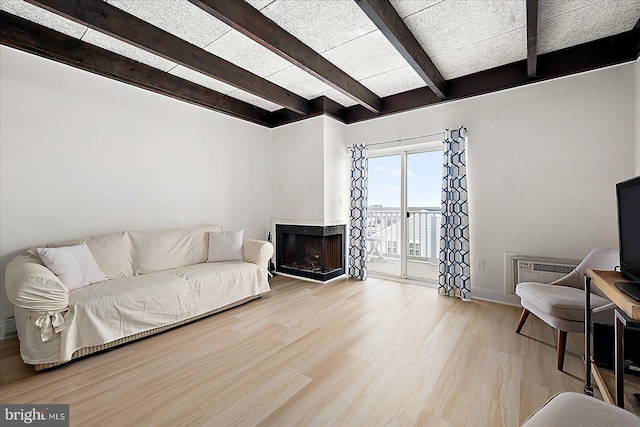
x=85, y=351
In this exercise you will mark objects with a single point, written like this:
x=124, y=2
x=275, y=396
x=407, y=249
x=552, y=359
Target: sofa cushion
x=74, y=265
x=225, y=246
x=112, y=253
x=559, y=301
x=166, y=249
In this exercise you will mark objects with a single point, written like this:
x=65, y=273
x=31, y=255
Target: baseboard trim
x=493, y=296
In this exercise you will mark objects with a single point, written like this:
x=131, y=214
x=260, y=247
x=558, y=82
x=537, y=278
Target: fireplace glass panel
x=317, y=254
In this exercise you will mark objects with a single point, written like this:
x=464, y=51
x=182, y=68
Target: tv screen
x=629, y=227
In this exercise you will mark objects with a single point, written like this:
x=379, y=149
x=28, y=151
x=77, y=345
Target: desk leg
x=588, y=388
x=619, y=362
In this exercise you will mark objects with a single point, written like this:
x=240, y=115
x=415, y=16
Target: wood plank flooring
x=415, y=268
x=346, y=353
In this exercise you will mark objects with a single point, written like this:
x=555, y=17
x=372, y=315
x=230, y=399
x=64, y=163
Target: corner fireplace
x=312, y=252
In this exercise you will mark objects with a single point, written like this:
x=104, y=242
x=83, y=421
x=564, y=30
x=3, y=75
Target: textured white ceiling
x=43, y=17
x=255, y=100
x=73, y=29
x=339, y=98
x=394, y=81
x=461, y=37
x=575, y=22
x=341, y=32
x=244, y=52
x=99, y=39
x=178, y=17
x=320, y=24
x=450, y=28
x=366, y=56
x=299, y=81
x=550, y=8
x=483, y=55
x=409, y=7
x=201, y=79
x=259, y=4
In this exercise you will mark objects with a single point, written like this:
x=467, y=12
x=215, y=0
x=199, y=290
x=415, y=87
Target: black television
x=628, y=195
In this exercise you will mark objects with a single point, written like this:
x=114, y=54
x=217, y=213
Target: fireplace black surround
x=313, y=252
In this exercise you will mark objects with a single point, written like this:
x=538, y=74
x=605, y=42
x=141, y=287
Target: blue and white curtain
x=455, y=263
x=358, y=213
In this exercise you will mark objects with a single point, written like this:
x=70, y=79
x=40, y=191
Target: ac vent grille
x=554, y=268
x=528, y=270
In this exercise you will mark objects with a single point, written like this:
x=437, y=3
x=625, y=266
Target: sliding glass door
x=424, y=191
x=384, y=221
x=404, y=215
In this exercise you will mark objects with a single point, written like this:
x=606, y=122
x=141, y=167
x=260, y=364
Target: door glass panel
x=384, y=242
x=424, y=190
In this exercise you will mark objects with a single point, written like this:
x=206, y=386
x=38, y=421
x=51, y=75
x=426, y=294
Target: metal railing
x=423, y=233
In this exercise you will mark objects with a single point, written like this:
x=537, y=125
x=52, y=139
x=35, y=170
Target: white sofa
x=156, y=280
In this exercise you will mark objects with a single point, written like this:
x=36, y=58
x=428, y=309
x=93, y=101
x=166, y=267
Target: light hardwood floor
x=347, y=353
x=415, y=268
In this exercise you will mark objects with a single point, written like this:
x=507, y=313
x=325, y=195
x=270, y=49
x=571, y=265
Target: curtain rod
x=399, y=140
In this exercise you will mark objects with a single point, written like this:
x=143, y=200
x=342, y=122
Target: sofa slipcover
x=157, y=279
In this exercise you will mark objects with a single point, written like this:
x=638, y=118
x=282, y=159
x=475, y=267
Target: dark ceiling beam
x=605, y=52
x=320, y=105
x=114, y=22
x=36, y=39
x=382, y=13
x=532, y=37
x=29, y=37
x=253, y=24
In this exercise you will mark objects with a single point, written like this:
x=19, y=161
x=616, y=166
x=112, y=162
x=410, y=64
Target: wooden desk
x=605, y=281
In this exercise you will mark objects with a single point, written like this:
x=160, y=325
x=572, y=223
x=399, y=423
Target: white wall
x=83, y=155
x=298, y=173
x=336, y=196
x=543, y=163
x=309, y=172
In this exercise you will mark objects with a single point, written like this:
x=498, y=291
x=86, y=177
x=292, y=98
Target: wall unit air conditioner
x=528, y=270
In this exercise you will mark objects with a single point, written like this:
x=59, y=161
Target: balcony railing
x=423, y=233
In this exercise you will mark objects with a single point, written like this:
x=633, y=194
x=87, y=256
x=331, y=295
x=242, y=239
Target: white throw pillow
x=74, y=265
x=225, y=246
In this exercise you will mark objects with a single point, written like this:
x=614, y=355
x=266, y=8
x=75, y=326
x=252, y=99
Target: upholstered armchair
x=560, y=304
x=576, y=409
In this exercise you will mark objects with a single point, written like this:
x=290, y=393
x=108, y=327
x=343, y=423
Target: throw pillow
x=225, y=246
x=74, y=265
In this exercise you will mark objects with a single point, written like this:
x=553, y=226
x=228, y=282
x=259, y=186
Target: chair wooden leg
x=523, y=318
x=562, y=342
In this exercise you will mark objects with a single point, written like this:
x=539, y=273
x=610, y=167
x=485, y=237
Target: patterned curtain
x=358, y=213
x=455, y=264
